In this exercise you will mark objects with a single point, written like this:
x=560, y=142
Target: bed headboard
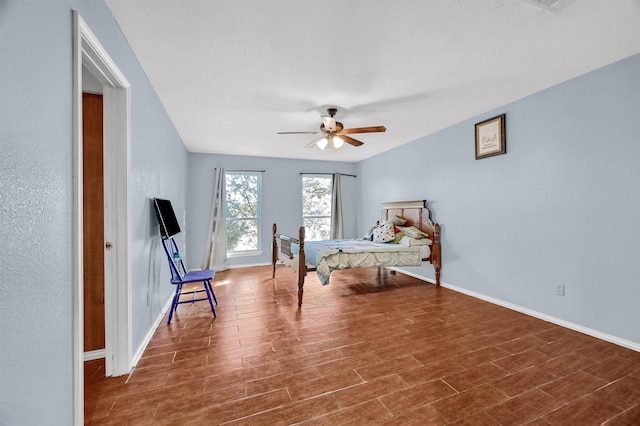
x=415, y=212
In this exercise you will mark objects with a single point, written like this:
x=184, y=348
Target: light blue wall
x=561, y=207
x=281, y=198
x=36, y=201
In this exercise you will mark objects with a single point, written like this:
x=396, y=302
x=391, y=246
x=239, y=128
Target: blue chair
x=179, y=277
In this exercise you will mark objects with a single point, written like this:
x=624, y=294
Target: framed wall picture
x=490, y=137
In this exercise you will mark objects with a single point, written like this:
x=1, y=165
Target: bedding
x=413, y=232
x=397, y=221
x=409, y=236
x=423, y=244
x=327, y=256
x=384, y=233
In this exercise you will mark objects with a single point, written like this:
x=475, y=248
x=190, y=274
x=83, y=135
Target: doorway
x=90, y=57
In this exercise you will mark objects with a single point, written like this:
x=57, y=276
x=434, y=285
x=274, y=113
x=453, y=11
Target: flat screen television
x=167, y=220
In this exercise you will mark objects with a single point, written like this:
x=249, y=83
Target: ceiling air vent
x=552, y=5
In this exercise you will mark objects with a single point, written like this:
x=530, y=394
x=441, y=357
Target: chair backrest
x=174, y=258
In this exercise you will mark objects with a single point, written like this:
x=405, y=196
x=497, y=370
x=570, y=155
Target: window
x=316, y=206
x=243, y=196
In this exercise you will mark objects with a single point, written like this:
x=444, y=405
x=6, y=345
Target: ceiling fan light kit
x=322, y=143
x=334, y=133
x=336, y=142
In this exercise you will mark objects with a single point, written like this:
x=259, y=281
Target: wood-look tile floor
x=370, y=348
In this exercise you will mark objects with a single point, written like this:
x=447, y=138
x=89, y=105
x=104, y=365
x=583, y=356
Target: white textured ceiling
x=232, y=73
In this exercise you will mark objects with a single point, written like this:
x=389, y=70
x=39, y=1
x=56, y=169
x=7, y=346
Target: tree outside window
x=243, y=197
x=316, y=206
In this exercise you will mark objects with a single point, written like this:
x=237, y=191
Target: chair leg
x=209, y=291
x=215, y=299
x=174, y=304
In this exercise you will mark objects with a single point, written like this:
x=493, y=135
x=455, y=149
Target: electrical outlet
x=148, y=299
x=560, y=290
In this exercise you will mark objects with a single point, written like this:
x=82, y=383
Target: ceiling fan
x=334, y=134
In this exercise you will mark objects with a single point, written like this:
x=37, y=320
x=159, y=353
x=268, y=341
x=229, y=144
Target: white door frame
x=88, y=52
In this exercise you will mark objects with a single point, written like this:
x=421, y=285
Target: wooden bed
x=291, y=251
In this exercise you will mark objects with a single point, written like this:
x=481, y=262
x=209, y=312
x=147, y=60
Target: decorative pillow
x=399, y=235
x=414, y=232
x=396, y=221
x=384, y=234
x=369, y=234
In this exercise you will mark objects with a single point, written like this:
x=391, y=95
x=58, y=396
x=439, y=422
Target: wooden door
x=93, y=221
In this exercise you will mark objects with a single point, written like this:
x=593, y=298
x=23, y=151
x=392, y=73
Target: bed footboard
x=281, y=251
x=274, y=250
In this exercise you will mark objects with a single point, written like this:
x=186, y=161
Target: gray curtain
x=336, y=209
x=215, y=252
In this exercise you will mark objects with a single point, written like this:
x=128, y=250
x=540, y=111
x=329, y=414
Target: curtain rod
x=253, y=171
x=341, y=174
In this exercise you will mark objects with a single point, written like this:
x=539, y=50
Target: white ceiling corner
x=232, y=73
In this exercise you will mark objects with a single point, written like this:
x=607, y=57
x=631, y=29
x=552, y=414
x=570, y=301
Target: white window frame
x=258, y=250
x=318, y=176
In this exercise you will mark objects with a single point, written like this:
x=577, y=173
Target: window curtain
x=336, y=209
x=215, y=253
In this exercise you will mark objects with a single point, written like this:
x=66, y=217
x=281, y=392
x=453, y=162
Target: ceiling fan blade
x=350, y=140
x=370, y=129
x=329, y=122
x=300, y=133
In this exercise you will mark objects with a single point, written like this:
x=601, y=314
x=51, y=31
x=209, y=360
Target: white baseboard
x=411, y=274
x=138, y=354
x=579, y=328
x=97, y=354
x=249, y=265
